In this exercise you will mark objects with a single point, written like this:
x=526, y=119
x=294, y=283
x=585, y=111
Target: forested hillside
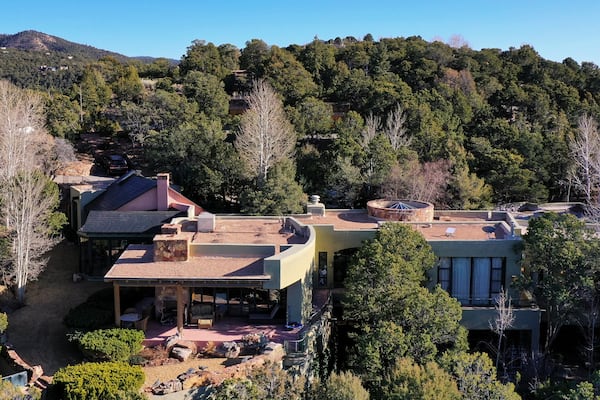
x=398, y=117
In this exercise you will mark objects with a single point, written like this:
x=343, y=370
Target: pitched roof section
x=127, y=222
x=125, y=189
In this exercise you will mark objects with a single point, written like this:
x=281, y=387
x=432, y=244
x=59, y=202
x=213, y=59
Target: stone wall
x=422, y=212
x=171, y=248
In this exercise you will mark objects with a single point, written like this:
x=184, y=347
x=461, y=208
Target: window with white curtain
x=472, y=280
x=461, y=279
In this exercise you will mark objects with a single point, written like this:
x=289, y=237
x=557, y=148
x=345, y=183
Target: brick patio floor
x=224, y=330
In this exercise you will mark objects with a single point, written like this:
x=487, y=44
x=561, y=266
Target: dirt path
x=36, y=330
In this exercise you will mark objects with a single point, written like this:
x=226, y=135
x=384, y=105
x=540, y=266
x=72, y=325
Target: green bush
x=12, y=392
x=3, y=322
x=100, y=381
x=111, y=344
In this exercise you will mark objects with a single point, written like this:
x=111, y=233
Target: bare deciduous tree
x=503, y=320
x=20, y=125
x=412, y=180
x=265, y=136
x=28, y=205
x=27, y=198
x=372, y=128
x=585, y=149
x=395, y=129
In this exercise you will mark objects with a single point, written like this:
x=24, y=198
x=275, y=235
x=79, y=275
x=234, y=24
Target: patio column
x=180, y=309
x=117, y=297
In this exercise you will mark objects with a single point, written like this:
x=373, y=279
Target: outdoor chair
x=202, y=314
x=142, y=324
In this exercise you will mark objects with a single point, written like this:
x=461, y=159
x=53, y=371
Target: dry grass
x=172, y=370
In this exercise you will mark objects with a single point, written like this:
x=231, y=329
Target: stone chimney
x=171, y=245
x=162, y=192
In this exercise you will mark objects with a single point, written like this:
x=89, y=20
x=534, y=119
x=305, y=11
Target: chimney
x=170, y=245
x=162, y=192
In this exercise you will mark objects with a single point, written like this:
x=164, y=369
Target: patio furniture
x=128, y=320
x=205, y=323
x=204, y=312
x=142, y=324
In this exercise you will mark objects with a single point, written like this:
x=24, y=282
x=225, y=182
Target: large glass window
x=471, y=280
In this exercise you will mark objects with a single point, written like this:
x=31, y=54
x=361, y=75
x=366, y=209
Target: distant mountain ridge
x=42, y=42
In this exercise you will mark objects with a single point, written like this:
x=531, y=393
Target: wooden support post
x=180, y=308
x=117, y=298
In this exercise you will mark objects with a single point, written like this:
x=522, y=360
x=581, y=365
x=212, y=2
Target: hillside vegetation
x=458, y=127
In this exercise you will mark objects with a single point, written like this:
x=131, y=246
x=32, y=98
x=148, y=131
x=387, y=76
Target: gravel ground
x=36, y=331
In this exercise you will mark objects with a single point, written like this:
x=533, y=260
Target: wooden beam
x=180, y=308
x=117, y=297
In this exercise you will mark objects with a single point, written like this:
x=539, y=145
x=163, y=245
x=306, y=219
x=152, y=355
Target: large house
x=268, y=267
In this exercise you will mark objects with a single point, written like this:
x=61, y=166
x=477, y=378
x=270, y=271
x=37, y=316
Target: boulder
x=174, y=385
x=171, y=341
x=187, y=344
x=181, y=353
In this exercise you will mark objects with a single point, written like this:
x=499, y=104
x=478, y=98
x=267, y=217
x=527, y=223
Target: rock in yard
x=181, y=353
x=187, y=344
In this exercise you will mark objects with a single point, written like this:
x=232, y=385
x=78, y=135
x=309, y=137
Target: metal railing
x=295, y=346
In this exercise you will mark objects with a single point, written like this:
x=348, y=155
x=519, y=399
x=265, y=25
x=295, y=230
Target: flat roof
x=248, y=231
x=459, y=227
x=137, y=264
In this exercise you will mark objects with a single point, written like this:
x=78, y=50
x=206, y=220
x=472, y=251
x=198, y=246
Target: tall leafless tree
x=395, y=129
x=28, y=205
x=585, y=149
x=26, y=199
x=21, y=120
x=503, y=320
x=265, y=136
x=413, y=180
x=372, y=128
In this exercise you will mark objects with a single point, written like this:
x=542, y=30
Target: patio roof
x=137, y=266
x=100, y=223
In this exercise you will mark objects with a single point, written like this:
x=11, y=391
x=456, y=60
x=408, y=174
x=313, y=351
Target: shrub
x=100, y=381
x=111, y=344
x=10, y=391
x=3, y=322
x=343, y=386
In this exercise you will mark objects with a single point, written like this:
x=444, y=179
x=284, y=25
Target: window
x=322, y=268
x=472, y=280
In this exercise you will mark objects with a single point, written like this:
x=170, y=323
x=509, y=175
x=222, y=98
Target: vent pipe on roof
x=314, y=206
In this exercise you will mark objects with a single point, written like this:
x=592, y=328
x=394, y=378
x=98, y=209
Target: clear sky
x=557, y=29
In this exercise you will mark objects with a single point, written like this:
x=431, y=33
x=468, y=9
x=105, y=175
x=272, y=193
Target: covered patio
x=225, y=330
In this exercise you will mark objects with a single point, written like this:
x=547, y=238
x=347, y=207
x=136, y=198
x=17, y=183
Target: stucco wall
x=507, y=249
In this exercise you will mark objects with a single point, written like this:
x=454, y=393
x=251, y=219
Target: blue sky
x=556, y=29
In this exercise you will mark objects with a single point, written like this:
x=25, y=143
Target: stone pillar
x=171, y=246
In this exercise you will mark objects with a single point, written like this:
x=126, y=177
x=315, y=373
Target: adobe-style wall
x=420, y=211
